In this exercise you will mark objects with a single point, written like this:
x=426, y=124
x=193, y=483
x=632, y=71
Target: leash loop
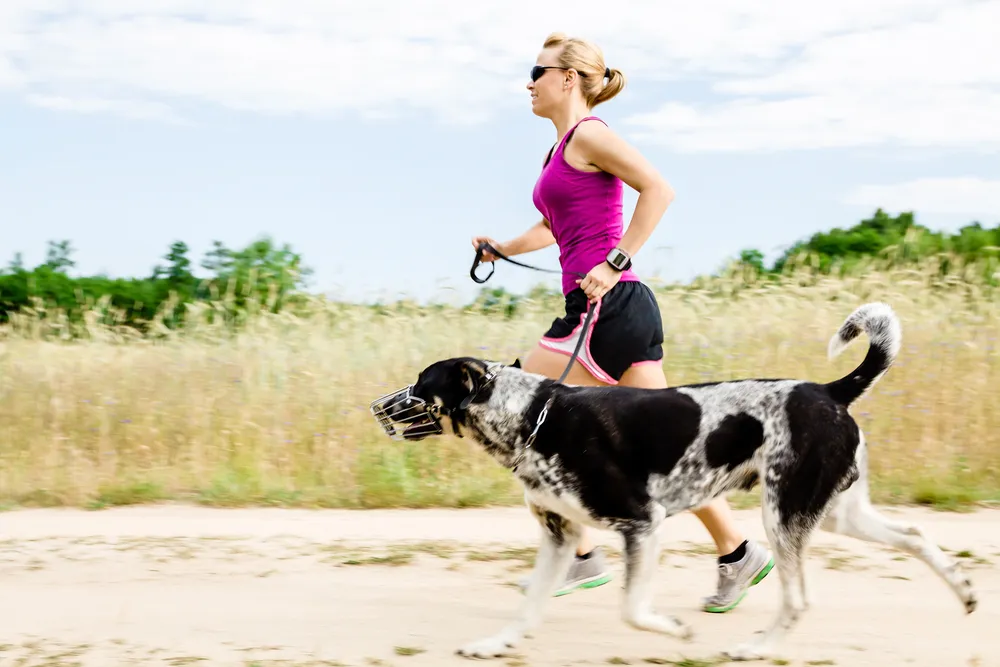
x=483, y=247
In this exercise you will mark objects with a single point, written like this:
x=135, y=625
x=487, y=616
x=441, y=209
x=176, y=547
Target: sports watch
x=619, y=259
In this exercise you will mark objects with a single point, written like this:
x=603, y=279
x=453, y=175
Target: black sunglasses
x=538, y=70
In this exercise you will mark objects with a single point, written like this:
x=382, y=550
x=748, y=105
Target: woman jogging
x=579, y=194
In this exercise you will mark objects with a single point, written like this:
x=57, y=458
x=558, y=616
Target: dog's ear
x=516, y=364
x=473, y=374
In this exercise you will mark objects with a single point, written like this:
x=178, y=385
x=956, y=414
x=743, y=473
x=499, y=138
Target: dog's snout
x=402, y=407
x=408, y=404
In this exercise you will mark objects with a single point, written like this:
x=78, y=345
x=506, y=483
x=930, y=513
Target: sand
x=179, y=585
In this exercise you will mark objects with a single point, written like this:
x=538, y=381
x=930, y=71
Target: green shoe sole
x=592, y=583
x=756, y=580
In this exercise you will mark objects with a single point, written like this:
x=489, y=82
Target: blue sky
x=377, y=138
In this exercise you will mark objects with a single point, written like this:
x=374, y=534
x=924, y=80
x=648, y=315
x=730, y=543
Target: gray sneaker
x=735, y=579
x=589, y=572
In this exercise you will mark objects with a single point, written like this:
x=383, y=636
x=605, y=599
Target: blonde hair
x=587, y=59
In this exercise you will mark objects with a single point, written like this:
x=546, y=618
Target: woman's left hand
x=599, y=281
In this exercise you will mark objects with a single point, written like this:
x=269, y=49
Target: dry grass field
x=276, y=411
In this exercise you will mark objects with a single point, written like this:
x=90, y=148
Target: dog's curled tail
x=882, y=327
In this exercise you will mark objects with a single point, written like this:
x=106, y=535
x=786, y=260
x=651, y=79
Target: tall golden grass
x=276, y=410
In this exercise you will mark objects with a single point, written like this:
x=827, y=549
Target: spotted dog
x=624, y=459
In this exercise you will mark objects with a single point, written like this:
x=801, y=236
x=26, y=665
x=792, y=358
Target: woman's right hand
x=487, y=255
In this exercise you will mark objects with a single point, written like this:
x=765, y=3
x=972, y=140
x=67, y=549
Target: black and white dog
x=624, y=459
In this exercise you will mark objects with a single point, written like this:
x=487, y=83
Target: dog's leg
x=555, y=555
x=803, y=593
x=788, y=537
x=852, y=514
x=641, y=557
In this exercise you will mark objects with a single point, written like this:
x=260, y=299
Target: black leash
x=483, y=247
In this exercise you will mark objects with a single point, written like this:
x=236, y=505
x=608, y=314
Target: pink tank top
x=584, y=210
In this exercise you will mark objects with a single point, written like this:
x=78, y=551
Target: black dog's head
x=444, y=389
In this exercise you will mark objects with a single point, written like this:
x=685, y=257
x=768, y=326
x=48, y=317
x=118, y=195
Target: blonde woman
x=579, y=194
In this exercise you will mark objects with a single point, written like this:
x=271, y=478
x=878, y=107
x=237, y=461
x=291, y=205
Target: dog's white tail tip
x=877, y=319
x=836, y=346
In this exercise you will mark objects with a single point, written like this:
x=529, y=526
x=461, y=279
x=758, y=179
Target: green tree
x=177, y=272
x=262, y=269
x=58, y=256
x=16, y=263
x=218, y=260
x=753, y=258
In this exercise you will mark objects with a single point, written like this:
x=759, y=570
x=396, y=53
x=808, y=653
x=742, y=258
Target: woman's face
x=547, y=90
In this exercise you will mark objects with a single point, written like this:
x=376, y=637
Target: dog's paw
x=491, y=647
x=747, y=651
x=667, y=625
x=971, y=602
x=680, y=629
x=967, y=594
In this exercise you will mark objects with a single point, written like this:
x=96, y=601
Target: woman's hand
x=487, y=255
x=599, y=281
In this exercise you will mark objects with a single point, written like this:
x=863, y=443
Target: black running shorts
x=625, y=331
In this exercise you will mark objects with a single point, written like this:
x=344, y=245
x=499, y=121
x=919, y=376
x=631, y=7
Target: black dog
x=624, y=459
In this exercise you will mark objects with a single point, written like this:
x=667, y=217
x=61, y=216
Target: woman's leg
x=718, y=519
x=741, y=563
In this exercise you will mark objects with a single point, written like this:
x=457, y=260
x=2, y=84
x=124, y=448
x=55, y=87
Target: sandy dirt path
x=172, y=585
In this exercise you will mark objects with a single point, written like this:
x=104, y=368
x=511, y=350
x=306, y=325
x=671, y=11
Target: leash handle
x=484, y=246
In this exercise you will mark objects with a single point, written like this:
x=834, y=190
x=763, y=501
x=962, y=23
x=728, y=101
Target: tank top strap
x=569, y=135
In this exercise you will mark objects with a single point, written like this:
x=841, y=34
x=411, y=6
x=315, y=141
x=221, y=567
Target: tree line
x=261, y=272
x=898, y=239
x=274, y=276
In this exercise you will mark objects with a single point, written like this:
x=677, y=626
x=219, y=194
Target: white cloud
x=127, y=108
x=933, y=81
x=784, y=75
x=967, y=196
